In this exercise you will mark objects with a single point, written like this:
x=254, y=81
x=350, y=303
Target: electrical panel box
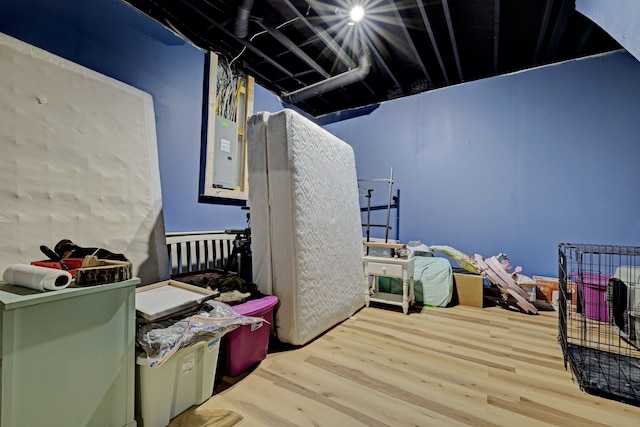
x=226, y=156
x=223, y=154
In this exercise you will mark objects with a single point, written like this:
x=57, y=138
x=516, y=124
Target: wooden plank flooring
x=458, y=366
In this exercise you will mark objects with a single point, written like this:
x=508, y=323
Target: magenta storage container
x=248, y=344
x=594, y=288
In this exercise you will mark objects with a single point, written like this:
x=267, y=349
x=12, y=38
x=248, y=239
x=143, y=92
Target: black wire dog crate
x=599, y=318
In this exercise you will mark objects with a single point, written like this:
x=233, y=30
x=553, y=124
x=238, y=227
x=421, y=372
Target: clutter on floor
x=549, y=287
x=435, y=276
x=467, y=284
x=599, y=328
x=169, y=298
x=432, y=276
x=186, y=338
x=161, y=338
x=496, y=270
x=231, y=288
x=517, y=289
x=463, y=260
x=469, y=288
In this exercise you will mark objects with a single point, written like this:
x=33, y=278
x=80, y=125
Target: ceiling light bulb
x=357, y=13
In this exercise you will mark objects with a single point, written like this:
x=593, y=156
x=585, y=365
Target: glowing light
x=356, y=14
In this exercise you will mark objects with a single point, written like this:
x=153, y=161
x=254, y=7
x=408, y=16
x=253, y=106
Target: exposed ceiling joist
x=322, y=35
x=496, y=35
x=241, y=41
x=585, y=36
x=544, y=25
x=383, y=63
x=276, y=34
x=432, y=39
x=415, y=45
x=558, y=30
x=452, y=37
x=407, y=36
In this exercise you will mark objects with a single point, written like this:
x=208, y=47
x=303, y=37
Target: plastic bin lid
x=593, y=280
x=252, y=307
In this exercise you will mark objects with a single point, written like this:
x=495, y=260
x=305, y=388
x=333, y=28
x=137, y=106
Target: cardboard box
x=469, y=289
x=549, y=287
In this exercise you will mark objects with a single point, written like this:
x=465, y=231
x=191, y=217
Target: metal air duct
x=241, y=27
x=351, y=76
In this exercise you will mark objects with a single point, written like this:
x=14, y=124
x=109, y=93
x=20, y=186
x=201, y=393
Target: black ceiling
x=413, y=45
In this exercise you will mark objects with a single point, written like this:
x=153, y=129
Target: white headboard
x=78, y=161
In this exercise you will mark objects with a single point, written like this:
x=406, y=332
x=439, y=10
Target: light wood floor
x=458, y=366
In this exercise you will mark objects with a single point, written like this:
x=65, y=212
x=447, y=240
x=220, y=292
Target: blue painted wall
x=114, y=39
x=512, y=164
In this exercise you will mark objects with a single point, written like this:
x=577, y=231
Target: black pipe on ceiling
x=351, y=76
x=241, y=27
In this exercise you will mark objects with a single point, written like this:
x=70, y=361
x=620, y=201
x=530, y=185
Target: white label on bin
x=188, y=363
x=211, y=345
x=255, y=326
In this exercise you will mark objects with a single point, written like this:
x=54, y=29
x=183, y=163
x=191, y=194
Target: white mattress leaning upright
x=79, y=161
x=259, y=201
x=314, y=229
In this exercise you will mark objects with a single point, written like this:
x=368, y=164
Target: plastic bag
x=160, y=340
x=465, y=261
x=417, y=248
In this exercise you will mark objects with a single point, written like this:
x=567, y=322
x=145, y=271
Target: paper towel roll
x=35, y=277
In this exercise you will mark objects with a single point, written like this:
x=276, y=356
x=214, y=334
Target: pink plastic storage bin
x=248, y=344
x=594, y=288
